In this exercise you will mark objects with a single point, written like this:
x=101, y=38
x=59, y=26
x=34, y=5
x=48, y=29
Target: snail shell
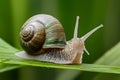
x=42, y=38
x=38, y=32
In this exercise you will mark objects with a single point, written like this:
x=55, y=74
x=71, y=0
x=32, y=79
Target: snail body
x=42, y=38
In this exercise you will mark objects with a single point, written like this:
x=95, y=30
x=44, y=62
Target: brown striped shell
x=42, y=31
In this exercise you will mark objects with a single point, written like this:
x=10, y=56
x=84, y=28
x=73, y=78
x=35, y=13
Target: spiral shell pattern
x=32, y=37
x=42, y=31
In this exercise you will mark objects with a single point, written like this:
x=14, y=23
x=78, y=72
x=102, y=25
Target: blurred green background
x=13, y=13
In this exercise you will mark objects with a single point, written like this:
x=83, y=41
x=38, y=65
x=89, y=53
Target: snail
x=42, y=37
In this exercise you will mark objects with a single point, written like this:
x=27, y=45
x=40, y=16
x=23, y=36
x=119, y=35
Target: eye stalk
x=76, y=27
x=83, y=38
x=91, y=32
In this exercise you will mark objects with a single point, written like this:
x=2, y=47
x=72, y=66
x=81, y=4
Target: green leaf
x=111, y=57
x=7, y=67
x=82, y=67
x=7, y=55
x=6, y=48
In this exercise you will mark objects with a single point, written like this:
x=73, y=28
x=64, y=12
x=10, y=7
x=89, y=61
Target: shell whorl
x=32, y=37
x=42, y=31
